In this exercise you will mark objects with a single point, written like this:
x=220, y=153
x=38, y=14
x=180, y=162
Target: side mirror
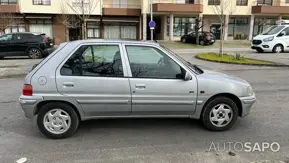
x=187, y=76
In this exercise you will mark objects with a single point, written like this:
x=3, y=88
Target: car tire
x=34, y=53
x=259, y=50
x=278, y=48
x=220, y=114
x=57, y=120
x=184, y=40
x=202, y=42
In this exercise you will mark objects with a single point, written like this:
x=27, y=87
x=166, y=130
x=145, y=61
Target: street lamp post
x=151, y=8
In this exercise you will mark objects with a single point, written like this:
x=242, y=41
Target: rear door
x=96, y=77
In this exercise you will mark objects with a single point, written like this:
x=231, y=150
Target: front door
x=95, y=77
x=157, y=83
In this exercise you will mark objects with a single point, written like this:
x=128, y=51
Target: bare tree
x=68, y=20
x=82, y=9
x=7, y=20
x=222, y=10
x=199, y=24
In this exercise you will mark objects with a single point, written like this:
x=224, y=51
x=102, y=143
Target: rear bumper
x=247, y=103
x=28, y=104
x=47, y=51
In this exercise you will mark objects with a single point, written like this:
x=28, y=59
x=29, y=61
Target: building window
x=185, y=1
x=41, y=2
x=8, y=2
x=264, y=2
x=214, y=2
x=80, y=3
x=41, y=26
x=242, y=2
x=92, y=30
x=182, y=26
x=238, y=28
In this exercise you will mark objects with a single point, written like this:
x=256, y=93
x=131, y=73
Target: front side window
x=94, y=60
x=41, y=2
x=150, y=62
x=7, y=37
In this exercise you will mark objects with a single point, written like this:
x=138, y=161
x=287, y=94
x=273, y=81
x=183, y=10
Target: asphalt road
x=154, y=140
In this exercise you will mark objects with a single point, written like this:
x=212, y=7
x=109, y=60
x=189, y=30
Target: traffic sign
x=152, y=24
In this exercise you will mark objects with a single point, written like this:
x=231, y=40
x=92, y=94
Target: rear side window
x=94, y=60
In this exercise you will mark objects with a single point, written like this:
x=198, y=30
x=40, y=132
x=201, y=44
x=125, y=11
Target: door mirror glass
x=187, y=76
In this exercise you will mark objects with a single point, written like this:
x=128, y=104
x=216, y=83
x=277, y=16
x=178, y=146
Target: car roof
x=114, y=41
x=34, y=33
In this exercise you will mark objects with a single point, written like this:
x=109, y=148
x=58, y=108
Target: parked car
x=205, y=38
x=91, y=79
x=33, y=45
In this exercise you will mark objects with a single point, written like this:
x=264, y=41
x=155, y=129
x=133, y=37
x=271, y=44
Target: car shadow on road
x=15, y=58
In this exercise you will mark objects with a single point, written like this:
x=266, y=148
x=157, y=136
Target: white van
x=274, y=39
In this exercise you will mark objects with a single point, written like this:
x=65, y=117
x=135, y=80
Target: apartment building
x=128, y=19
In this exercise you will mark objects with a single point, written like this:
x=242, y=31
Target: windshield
x=187, y=63
x=273, y=30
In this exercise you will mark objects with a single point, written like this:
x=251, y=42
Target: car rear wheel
x=278, y=48
x=184, y=40
x=220, y=114
x=57, y=120
x=34, y=53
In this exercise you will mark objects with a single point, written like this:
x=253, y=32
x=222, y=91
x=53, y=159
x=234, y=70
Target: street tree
x=199, y=23
x=223, y=9
x=79, y=9
x=7, y=20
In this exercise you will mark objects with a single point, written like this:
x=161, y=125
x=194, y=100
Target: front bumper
x=247, y=103
x=265, y=46
x=28, y=104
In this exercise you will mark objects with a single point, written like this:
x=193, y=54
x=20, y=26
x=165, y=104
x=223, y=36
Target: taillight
x=27, y=90
x=46, y=40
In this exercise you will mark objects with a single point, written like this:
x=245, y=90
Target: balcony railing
x=179, y=1
x=270, y=3
x=123, y=5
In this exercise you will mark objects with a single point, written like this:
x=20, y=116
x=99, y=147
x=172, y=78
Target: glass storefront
x=182, y=25
x=261, y=24
x=239, y=28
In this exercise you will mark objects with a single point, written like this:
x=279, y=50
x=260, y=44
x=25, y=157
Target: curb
x=245, y=64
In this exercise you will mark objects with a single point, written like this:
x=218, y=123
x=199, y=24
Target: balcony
x=270, y=7
x=13, y=8
x=188, y=6
x=121, y=9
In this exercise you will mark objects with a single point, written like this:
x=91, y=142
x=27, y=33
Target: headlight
x=250, y=91
x=268, y=39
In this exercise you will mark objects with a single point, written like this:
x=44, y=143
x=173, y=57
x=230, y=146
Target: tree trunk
x=83, y=31
x=221, y=41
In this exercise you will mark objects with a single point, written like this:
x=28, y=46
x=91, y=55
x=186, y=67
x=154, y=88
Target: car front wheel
x=220, y=114
x=57, y=120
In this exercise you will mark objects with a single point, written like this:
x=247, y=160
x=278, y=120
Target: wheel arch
x=228, y=95
x=42, y=103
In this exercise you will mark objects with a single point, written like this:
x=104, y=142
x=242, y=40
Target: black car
x=33, y=45
x=205, y=38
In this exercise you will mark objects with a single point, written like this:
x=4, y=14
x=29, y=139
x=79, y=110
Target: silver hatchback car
x=95, y=79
